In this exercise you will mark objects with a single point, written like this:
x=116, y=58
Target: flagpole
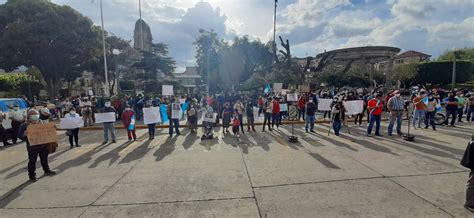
x=105, y=52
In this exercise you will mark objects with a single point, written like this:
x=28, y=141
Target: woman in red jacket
x=128, y=117
x=301, y=107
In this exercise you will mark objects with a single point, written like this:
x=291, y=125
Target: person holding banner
x=128, y=120
x=375, y=108
x=36, y=150
x=73, y=133
x=395, y=106
x=108, y=126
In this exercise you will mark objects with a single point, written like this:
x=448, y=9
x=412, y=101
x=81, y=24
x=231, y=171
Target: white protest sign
x=283, y=107
x=7, y=122
x=255, y=112
x=167, y=90
x=105, y=117
x=354, y=107
x=209, y=117
x=151, y=115
x=284, y=91
x=277, y=87
x=71, y=123
x=175, y=111
x=324, y=104
x=292, y=97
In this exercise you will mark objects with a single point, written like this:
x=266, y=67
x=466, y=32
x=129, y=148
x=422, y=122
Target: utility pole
x=454, y=71
x=105, y=51
x=274, y=33
x=141, y=22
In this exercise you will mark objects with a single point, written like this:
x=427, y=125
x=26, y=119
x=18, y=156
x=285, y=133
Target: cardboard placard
x=292, y=112
x=71, y=123
x=324, y=104
x=292, y=97
x=39, y=134
x=167, y=90
x=209, y=117
x=105, y=117
x=151, y=115
x=277, y=87
x=283, y=107
x=304, y=88
x=175, y=111
x=354, y=107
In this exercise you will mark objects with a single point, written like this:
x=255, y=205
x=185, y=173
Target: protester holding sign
x=375, y=107
x=73, y=133
x=108, y=126
x=192, y=116
x=128, y=120
x=34, y=150
x=173, y=111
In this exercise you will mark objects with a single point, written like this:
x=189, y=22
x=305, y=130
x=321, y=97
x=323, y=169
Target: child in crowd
x=235, y=125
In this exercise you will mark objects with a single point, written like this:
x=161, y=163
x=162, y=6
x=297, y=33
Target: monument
x=142, y=38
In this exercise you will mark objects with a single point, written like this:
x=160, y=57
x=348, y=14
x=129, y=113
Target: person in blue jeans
x=375, y=108
x=451, y=108
x=396, y=106
x=174, y=122
x=310, y=113
x=420, y=109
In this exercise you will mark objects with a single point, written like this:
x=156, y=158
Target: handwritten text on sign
x=39, y=134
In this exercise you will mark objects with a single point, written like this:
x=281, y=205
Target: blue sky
x=312, y=26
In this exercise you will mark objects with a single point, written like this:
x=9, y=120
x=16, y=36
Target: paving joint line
x=422, y=198
x=118, y=180
x=250, y=181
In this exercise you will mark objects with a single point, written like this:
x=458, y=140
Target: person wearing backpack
x=468, y=162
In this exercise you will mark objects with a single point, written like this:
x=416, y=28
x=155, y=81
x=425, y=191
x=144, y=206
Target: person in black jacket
x=34, y=151
x=468, y=162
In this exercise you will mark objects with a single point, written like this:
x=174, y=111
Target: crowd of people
x=231, y=109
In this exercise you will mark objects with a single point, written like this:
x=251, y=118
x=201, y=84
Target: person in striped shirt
x=395, y=106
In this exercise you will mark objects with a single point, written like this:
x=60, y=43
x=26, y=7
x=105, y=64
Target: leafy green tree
x=465, y=54
x=257, y=56
x=406, y=73
x=56, y=39
x=440, y=72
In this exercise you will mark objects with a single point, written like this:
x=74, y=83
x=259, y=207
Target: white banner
x=354, y=107
x=71, y=123
x=283, y=107
x=151, y=115
x=292, y=97
x=105, y=117
x=167, y=90
x=277, y=87
x=324, y=104
x=7, y=123
x=175, y=111
x=209, y=117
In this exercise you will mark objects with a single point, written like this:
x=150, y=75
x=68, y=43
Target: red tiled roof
x=412, y=53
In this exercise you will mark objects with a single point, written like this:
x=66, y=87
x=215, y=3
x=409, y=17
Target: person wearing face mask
x=37, y=150
x=375, y=108
x=109, y=126
x=395, y=106
x=461, y=104
x=128, y=116
x=17, y=119
x=3, y=132
x=73, y=133
x=420, y=109
x=45, y=115
x=451, y=109
x=430, y=112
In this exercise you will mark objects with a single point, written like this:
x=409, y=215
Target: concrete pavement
x=258, y=175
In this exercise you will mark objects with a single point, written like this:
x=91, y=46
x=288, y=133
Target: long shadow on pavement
x=113, y=155
x=165, y=149
x=324, y=161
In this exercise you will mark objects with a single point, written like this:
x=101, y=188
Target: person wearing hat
x=36, y=150
x=108, y=126
x=375, y=108
x=17, y=119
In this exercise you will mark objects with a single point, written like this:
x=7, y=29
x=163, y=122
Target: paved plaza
x=258, y=175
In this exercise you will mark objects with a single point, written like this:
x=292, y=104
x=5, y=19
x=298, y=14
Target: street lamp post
x=104, y=50
x=454, y=70
x=115, y=52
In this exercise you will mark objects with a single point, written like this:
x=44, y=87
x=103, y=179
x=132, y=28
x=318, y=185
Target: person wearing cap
x=3, y=132
x=267, y=113
x=36, y=150
x=395, y=106
x=108, y=126
x=375, y=108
